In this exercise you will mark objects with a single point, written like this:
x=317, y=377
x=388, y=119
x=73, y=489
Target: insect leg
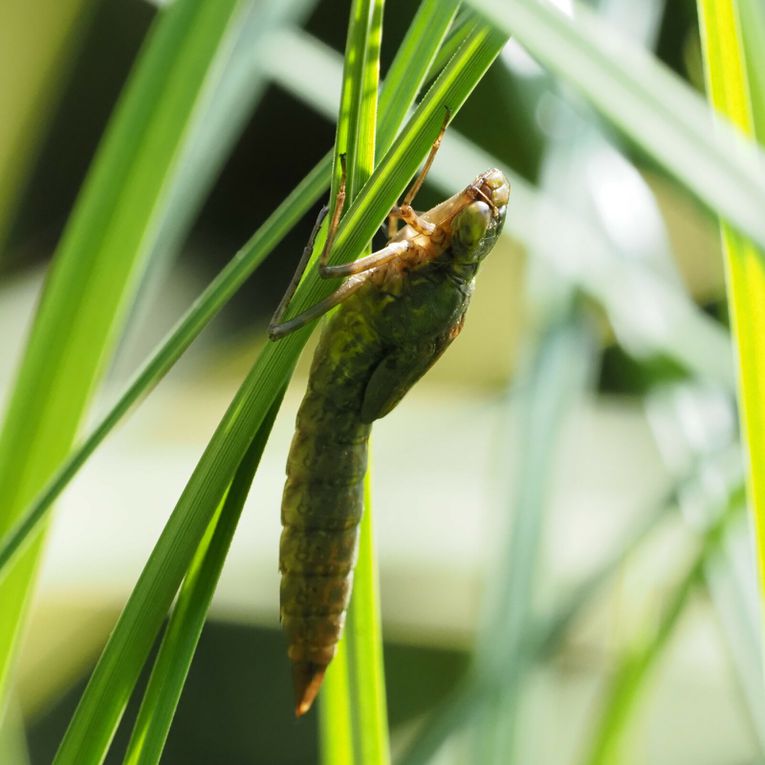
x=405, y=211
x=412, y=193
x=385, y=255
x=281, y=310
x=278, y=329
x=410, y=217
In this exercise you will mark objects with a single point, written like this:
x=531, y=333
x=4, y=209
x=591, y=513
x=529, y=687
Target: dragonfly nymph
x=398, y=311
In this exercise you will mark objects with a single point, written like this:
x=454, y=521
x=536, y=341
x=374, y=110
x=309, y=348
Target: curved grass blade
x=634, y=668
x=728, y=91
x=112, y=681
x=647, y=103
x=185, y=626
x=100, y=257
x=418, y=50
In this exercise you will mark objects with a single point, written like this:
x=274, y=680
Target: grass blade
x=341, y=735
x=646, y=102
x=185, y=626
x=353, y=715
x=728, y=91
x=354, y=721
x=99, y=259
x=752, y=14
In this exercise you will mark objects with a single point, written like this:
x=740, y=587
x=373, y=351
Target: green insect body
x=395, y=321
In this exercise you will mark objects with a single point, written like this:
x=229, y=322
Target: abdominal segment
x=321, y=510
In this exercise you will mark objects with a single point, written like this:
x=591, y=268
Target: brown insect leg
x=405, y=211
x=394, y=250
x=410, y=217
x=412, y=193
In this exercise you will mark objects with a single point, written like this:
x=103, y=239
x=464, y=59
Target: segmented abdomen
x=323, y=496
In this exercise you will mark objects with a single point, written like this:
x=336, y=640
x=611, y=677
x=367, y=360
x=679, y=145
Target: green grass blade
x=463, y=23
x=185, y=626
x=115, y=674
x=728, y=91
x=35, y=61
x=646, y=102
x=351, y=694
x=632, y=672
x=353, y=715
x=13, y=742
x=205, y=308
x=365, y=649
x=237, y=84
x=412, y=66
x=98, y=262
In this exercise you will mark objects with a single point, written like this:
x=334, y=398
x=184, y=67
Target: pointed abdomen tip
x=307, y=677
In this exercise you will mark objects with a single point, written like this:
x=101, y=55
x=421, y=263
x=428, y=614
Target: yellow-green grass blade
x=240, y=80
x=648, y=104
x=13, y=742
x=116, y=671
x=101, y=256
x=632, y=672
x=728, y=91
x=190, y=611
x=422, y=46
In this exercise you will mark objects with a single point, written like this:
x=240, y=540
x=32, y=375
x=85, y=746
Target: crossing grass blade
x=205, y=308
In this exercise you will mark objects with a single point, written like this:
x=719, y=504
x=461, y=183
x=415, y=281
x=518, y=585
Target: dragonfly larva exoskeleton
x=398, y=310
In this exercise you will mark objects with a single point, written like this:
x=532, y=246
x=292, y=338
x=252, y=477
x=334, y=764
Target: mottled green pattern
x=377, y=344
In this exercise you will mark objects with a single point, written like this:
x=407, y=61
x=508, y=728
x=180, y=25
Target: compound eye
x=472, y=223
